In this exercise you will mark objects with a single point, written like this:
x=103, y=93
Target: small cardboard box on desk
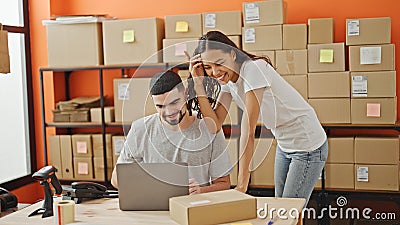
x=212, y=208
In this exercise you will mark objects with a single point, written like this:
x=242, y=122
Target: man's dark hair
x=164, y=82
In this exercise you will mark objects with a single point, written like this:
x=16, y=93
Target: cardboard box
x=237, y=40
x=173, y=49
x=329, y=85
x=98, y=165
x=341, y=150
x=260, y=13
x=263, y=162
x=99, y=174
x=339, y=176
x=66, y=157
x=233, y=150
x=374, y=111
x=219, y=207
x=95, y=114
x=326, y=57
x=372, y=58
x=299, y=82
x=233, y=115
x=332, y=110
x=75, y=45
x=4, y=53
x=294, y=36
x=321, y=31
x=377, y=177
x=380, y=84
x=229, y=22
x=132, y=99
x=377, y=150
x=269, y=54
x=118, y=144
x=291, y=62
x=132, y=41
x=82, y=145
x=262, y=38
x=97, y=141
x=367, y=31
x=55, y=154
x=183, y=26
x=83, y=168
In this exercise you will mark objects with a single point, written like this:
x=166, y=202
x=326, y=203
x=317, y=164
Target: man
x=172, y=135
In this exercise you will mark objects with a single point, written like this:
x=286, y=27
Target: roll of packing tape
x=64, y=212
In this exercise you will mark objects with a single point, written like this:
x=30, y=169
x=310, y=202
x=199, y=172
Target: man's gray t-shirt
x=205, y=153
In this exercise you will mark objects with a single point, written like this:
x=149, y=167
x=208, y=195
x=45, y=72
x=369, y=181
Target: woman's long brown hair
x=215, y=40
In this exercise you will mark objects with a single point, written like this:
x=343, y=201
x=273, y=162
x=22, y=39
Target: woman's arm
x=247, y=131
x=213, y=117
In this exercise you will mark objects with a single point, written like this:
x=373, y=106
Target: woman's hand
x=196, y=69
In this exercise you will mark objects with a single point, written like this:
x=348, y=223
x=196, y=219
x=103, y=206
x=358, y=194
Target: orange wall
x=298, y=12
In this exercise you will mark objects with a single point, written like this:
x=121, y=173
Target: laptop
x=148, y=186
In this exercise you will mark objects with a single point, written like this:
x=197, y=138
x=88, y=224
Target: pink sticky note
x=83, y=168
x=180, y=49
x=81, y=147
x=373, y=110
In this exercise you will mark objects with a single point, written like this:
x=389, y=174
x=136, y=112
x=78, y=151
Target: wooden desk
x=106, y=212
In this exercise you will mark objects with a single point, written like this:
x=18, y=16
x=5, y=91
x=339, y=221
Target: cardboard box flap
x=4, y=56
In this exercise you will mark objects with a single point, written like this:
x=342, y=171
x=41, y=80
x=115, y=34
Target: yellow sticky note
x=181, y=27
x=373, y=110
x=326, y=56
x=129, y=36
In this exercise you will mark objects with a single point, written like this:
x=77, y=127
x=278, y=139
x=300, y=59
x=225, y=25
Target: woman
x=257, y=88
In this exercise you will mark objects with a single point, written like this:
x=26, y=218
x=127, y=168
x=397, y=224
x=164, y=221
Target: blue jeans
x=296, y=173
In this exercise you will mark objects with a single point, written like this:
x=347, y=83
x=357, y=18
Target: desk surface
x=106, y=212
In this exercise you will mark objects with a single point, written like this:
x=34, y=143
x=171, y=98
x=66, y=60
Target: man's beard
x=175, y=121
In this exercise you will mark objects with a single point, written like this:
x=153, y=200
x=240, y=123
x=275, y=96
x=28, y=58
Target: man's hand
x=194, y=186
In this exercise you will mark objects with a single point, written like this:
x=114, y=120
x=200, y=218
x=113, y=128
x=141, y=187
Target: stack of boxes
x=372, y=70
x=81, y=156
x=262, y=35
x=98, y=156
x=339, y=167
x=181, y=34
x=291, y=62
x=376, y=163
x=328, y=82
x=262, y=31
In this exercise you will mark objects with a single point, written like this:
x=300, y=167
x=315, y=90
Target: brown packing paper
x=4, y=56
